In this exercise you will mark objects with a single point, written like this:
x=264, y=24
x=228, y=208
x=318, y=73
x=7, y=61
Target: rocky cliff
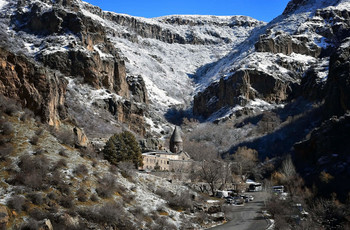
x=34, y=86
x=78, y=48
x=290, y=58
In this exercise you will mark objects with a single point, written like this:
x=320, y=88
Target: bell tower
x=176, y=144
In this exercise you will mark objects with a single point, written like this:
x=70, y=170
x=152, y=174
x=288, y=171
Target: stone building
x=174, y=160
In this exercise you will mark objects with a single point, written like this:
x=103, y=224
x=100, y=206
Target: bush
x=82, y=195
x=65, y=136
x=30, y=225
x=8, y=105
x=94, y=198
x=16, y=203
x=33, y=172
x=67, y=201
x=180, y=201
x=63, y=153
x=123, y=147
x=106, y=186
x=38, y=151
x=34, y=140
x=61, y=163
x=111, y=214
x=36, y=198
x=127, y=169
x=27, y=114
x=6, y=128
x=81, y=170
x=5, y=150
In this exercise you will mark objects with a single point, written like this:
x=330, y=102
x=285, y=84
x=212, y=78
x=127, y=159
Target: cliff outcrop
x=238, y=89
x=33, y=86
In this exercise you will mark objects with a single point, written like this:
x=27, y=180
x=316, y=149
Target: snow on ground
x=2, y=3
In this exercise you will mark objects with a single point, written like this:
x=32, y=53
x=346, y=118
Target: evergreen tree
x=123, y=147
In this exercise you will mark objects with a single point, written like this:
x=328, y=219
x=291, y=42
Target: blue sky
x=264, y=10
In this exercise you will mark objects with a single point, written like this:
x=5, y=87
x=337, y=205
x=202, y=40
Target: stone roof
x=176, y=137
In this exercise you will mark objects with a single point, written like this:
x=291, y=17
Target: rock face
x=287, y=44
x=338, y=84
x=237, y=89
x=33, y=86
x=98, y=63
x=327, y=151
x=138, y=89
x=76, y=45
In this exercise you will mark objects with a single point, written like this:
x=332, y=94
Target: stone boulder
x=45, y=225
x=81, y=139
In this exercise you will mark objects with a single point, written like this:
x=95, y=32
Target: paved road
x=246, y=217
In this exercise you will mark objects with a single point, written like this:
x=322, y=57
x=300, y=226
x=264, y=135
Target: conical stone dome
x=176, y=141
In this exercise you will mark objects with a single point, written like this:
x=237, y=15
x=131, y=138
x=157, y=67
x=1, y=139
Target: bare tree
x=211, y=172
x=288, y=169
x=245, y=160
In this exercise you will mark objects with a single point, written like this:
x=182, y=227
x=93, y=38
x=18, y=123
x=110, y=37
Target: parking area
x=242, y=215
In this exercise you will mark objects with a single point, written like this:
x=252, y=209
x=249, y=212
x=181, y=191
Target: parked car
x=245, y=198
x=237, y=200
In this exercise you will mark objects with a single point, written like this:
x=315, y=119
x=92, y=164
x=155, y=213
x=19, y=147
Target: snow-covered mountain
x=272, y=62
x=165, y=52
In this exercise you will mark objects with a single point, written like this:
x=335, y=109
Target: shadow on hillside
x=298, y=119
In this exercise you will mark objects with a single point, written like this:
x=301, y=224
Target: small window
x=167, y=162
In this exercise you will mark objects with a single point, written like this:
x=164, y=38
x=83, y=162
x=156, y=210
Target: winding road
x=246, y=217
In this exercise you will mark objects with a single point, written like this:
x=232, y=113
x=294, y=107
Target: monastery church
x=174, y=160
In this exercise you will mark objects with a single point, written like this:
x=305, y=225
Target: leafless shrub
x=34, y=140
x=30, y=225
x=65, y=136
x=56, y=177
x=61, y=163
x=52, y=196
x=127, y=197
x=39, y=131
x=89, y=152
x=113, y=169
x=81, y=194
x=38, y=151
x=26, y=115
x=63, y=153
x=163, y=223
x=81, y=170
x=94, y=198
x=111, y=214
x=138, y=212
x=94, y=163
x=33, y=171
x=6, y=128
x=67, y=201
x=127, y=169
x=182, y=201
x=16, y=203
x=5, y=150
x=64, y=188
x=36, y=198
x=11, y=108
x=106, y=186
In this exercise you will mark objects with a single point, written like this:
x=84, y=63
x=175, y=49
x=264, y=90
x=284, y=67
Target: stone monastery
x=174, y=160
